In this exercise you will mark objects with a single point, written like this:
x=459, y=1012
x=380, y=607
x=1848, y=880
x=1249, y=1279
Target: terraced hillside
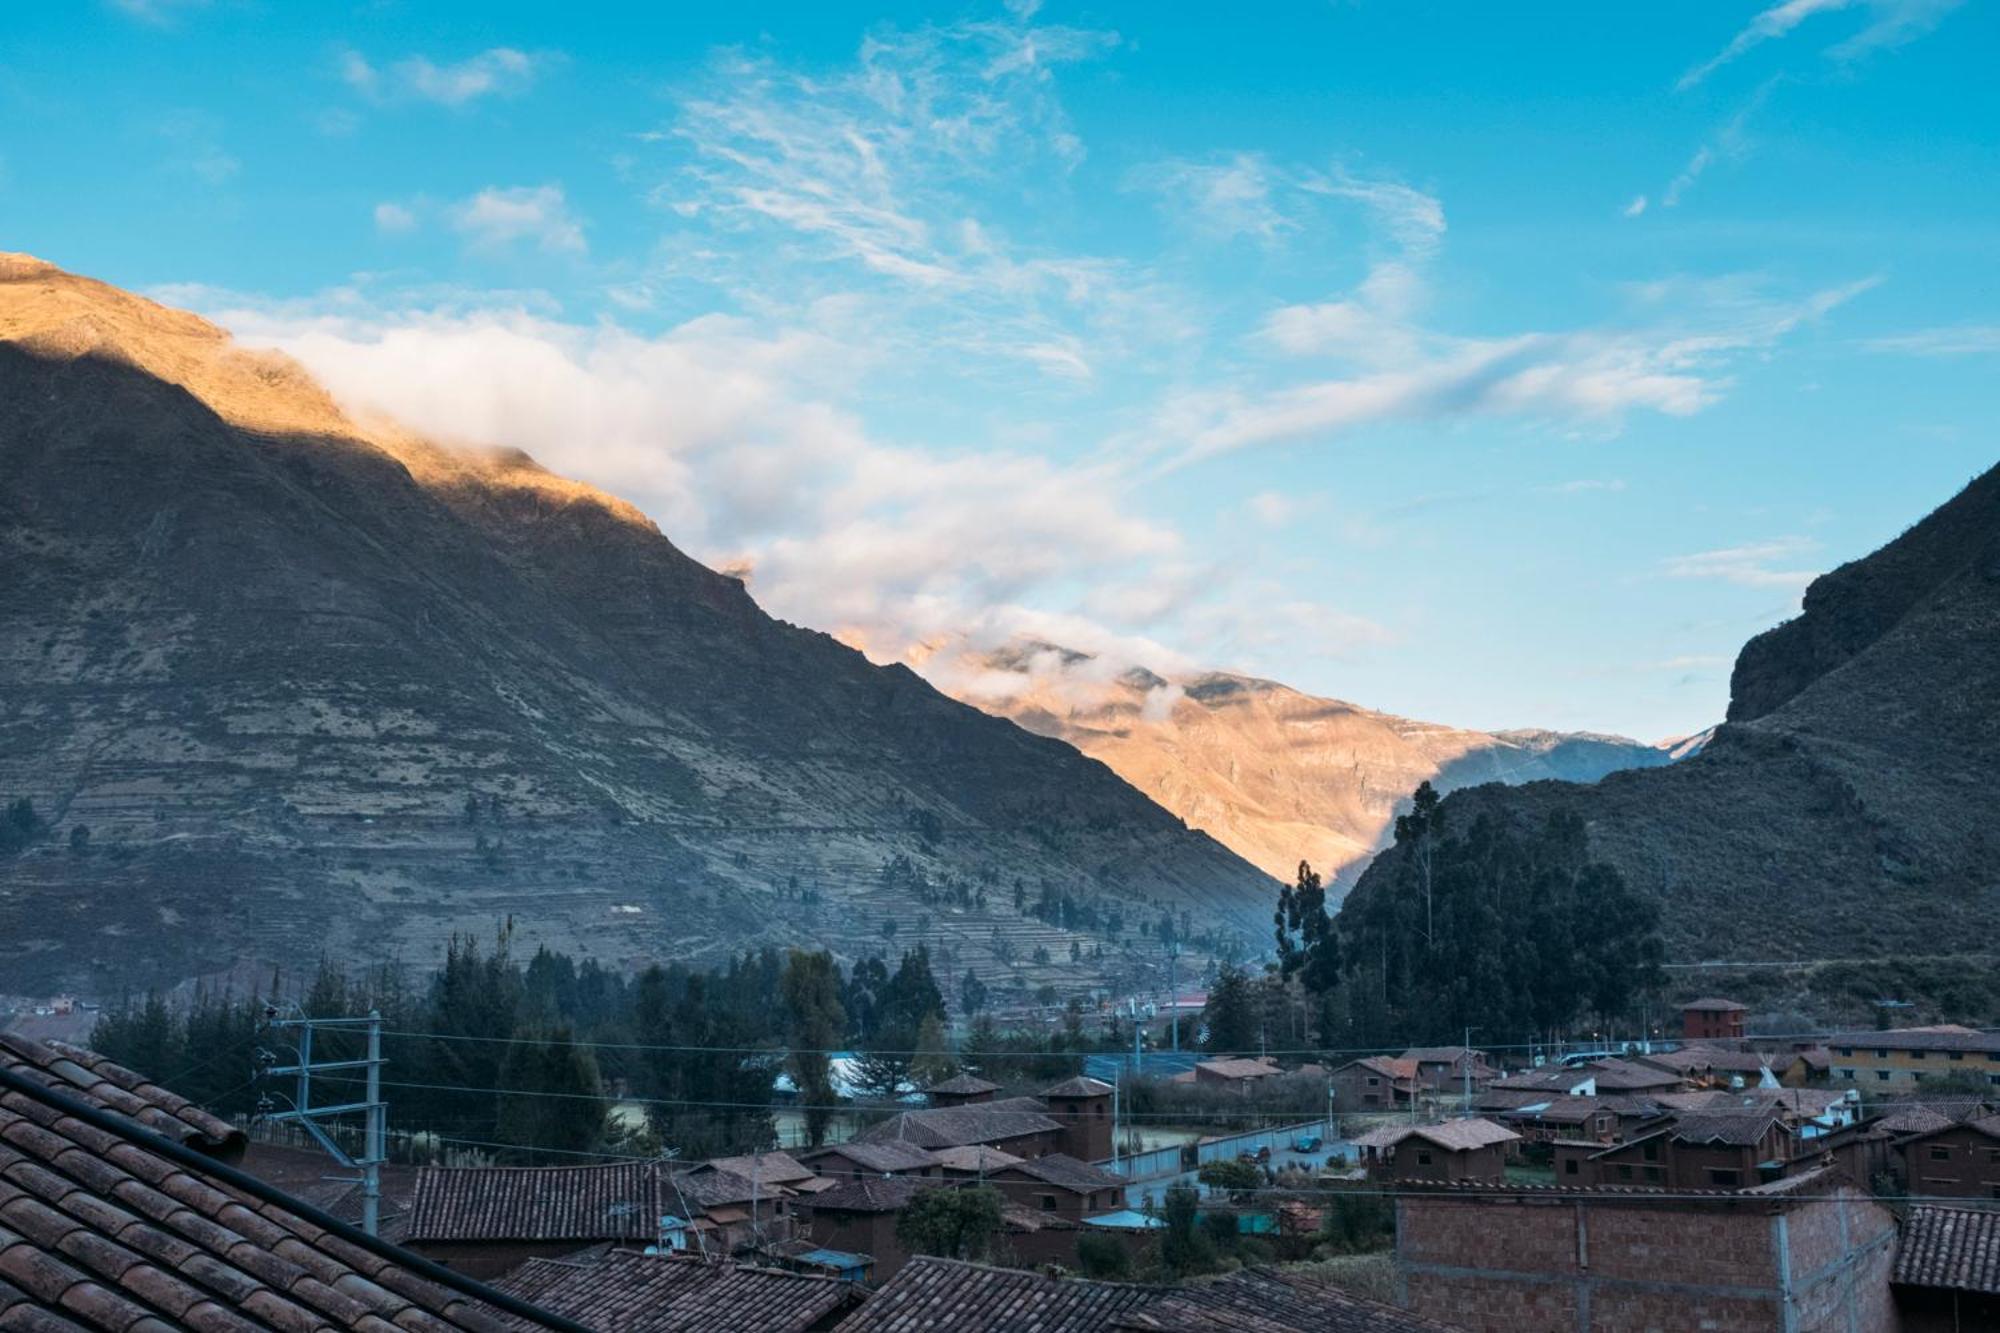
x=278, y=682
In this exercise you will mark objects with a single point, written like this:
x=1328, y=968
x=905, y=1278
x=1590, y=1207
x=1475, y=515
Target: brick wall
x=1506, y=1263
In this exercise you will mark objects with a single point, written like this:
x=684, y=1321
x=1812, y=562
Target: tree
x=79, y=840
x=815, y=1022
x=1102, y=1257
x=555, y=1097
x=1308, y=946
x=932, y=1062
x=1230, y=1015
x=1184, y=1249
x=971, y=993
x=1229, y=1173
x=1420, y=830
x=19, y=826
x=951, y=1223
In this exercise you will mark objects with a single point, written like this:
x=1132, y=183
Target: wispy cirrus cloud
x=498, y=218
x=499, y=71
x=1949, y=340
x=1890, y=23
x=1764, y=564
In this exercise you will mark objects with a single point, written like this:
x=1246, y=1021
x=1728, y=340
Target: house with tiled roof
x=890, y=1157
x=1373, y=1083
x=1712, y=1018
x=961, y=1090
x=624, y=1291
x=1059, y=1184
x=1019, y=1125
x=1959, y=1160
x=1947, y=1273
x=859, y=1216
x=1468, y=1149
x=487, y=1220
x=1905, y=1058
x=963, y=1297
x=1450, y=1068
x=120, y=1211
x=1235, y=1072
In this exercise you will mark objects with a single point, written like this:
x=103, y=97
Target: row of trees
x=1515, y=933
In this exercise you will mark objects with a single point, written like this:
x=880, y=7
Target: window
x=1881, y=1053
x=1918, y=1055
x=1847, y=1051
x=1048, y=1202
x=1569, y=1167
x=1916, y=1077
x=1993, y=1156
x=1940, y=1153
x=1653, y=1174
x=1374, y=1082
x=1843, y=1073
x=1652, y=1152
x=1423, y=1157
x=1958, y=1055
x=1724, y=1177
x=1882, y=1074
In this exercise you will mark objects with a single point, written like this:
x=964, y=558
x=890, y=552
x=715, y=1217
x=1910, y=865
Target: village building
x=1557, y=1079
x=1551, y=1118
x=1060, y=1184
x=1501, y=1259
x=1373, y=1083
x=1235, y=1072
x=961, y=1090
x=1614, y=1075
x=1448, y=1068
x=622, y=1291
x=1471, y=1149
x=1905, y=1057
x=1958, y=1160
x=973, y=1163
x=124, y=1212
x=487, y=1220
x=1701, y=1150
x=844, y=1161
x=1713, y=1019
x=1019, y=1125
x=1083, y=1107
x=1947, y=1275
x=859, y=1217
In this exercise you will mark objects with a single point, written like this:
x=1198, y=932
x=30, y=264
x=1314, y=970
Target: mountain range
x=1848, y=808
x=279, y=683
x=1278, y=775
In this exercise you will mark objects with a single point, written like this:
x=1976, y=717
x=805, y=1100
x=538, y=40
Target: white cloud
x=1950, y=340
x=1750, y=565
x=877, y=182
x=1891, y=23
x=1234, y=196
x=1398, y=370
x=500, y=71
x=194, y=140
x=1636, y=207
x=497, y=218
x=393, y=219
x=1728, y=143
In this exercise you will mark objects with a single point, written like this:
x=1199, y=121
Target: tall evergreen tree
x=816, y=1022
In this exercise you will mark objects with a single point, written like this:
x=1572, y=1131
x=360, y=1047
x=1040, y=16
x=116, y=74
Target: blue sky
x=1499, y=365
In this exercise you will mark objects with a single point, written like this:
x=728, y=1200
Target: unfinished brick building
x=1811, y=1254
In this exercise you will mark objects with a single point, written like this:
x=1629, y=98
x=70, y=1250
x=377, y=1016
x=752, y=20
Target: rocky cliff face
x=1850, y=807
x=1281, y=776
x=309, y=684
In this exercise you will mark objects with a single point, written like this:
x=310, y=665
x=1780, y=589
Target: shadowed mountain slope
x=279, y=682
x=1850, y=807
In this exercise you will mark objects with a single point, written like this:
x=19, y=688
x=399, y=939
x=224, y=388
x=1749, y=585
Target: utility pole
x=375, y=1131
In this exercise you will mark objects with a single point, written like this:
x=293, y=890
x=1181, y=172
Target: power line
x=779, y=1049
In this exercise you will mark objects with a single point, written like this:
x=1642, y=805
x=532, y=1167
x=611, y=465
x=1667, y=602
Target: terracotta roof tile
x=1954, y=1248
x=963, y=1126
x=1069, y=1173
x=929, y=1293
x=623, y=1292
x=102, y=1231
x=621, y=1201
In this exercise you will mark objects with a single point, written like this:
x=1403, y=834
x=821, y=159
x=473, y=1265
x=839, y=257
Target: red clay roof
x=621, y=1201
x=86, y=1075
x=103, y=1230
x=1954, y=1248
x=624, y=1292
x=929, y=1293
